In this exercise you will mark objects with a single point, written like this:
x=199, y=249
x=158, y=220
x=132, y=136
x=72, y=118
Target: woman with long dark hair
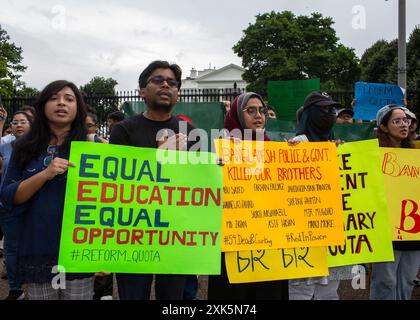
x=394, y=280
x=34, y=187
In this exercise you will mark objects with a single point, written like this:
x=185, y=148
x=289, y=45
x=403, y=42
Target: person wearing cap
x=316, y=124
x=318, y=117
x=345, y=115
x=394, y=280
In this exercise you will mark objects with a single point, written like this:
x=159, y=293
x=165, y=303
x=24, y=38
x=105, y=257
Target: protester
x=271, y=112
x=6, y=130
x=412, y=130
x=159, y=86
x=20, y=124
x=103, y=286
x=113, y=118
x=247, y=112
x=299, y=115
x=345, y=115
x=226, y=105
x=34, y=188
x=316, y=124
x=6, y=136
x=394, y=280
x=92, y=125
x=29, y=110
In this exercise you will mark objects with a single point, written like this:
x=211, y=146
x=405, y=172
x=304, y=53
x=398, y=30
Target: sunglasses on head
x=159, y=80
x=52, y=151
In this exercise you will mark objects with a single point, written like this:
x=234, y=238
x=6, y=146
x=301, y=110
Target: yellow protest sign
x=401, y=169
x=277, y=196
x=366, y=221
x=277, y=264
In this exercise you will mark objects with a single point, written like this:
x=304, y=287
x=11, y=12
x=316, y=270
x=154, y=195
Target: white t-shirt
x=8, y=138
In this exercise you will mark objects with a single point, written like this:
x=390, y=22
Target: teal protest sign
x=129, y=210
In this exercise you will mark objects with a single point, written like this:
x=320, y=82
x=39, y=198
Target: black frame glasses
x=159, y=80
x=52, y=151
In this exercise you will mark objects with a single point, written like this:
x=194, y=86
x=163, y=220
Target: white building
x=229, y=76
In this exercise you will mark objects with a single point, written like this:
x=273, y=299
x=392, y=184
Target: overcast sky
x=77, y=40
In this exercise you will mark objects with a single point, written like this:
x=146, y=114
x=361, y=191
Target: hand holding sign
x=57, y=166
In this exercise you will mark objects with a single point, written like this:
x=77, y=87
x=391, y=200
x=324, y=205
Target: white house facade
x=229, y=76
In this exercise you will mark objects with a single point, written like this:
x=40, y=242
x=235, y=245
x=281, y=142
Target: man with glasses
x=159, y=86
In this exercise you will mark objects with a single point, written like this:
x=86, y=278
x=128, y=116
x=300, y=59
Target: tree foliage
x=6, y=85
x=25, y=91
x=379, y=63
x=100, y=89
x=12, y=56
x=282, y=46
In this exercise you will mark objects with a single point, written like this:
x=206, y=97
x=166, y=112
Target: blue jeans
x=9, y=224
x=191, y=287
x=394, y=280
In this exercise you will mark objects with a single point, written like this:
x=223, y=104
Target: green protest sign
x=130, y=210
x=366, y=221
x=288, y=96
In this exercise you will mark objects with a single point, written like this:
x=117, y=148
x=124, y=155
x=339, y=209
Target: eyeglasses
x=52, y=151
x=252, y=111
x=16, y=122
x=401, y=121
x=159, y=80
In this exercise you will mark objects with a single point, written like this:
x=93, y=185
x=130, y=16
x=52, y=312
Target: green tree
x=6, y=85
x=25, y=91
x=12, y=55
x=282, y=46
x=379, y=63
x=99, y=94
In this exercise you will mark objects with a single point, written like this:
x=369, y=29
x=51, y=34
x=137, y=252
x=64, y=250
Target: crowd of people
x=34, y=169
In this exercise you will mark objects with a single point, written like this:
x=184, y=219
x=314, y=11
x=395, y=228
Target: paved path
x=345, y=291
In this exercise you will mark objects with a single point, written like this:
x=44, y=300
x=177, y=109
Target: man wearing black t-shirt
x=159, y=85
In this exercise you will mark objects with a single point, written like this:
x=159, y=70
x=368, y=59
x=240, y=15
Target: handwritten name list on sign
x=277, y=196
x=126, y=212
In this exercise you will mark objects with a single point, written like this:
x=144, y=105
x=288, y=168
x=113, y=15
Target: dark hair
x=28, y=108
x=38, y=138
x=93, y=116
x=383, y=137
x=5, y=127
x=158, y=64
x=25, y=114
x=116, y=116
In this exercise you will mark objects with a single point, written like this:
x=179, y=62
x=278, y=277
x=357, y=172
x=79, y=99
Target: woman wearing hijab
x=246, y=120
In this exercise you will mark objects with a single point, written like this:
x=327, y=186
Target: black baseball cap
x=319, y=98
